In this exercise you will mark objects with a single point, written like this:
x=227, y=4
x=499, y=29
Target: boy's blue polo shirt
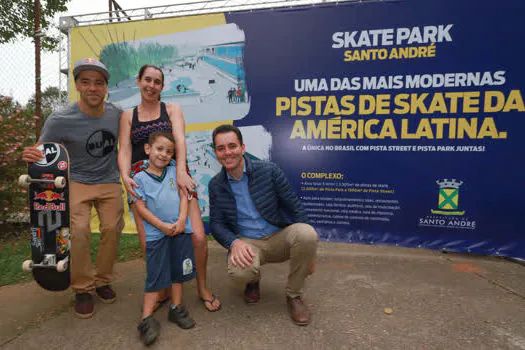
x=162, y=198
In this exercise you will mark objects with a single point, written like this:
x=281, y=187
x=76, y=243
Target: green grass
x=13, y=253
x=129, y=247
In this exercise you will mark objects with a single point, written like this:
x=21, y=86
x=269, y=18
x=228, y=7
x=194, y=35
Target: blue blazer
x=271, y=194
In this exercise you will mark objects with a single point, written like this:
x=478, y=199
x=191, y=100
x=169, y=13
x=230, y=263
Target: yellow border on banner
x=89, y=41
x=206, y=126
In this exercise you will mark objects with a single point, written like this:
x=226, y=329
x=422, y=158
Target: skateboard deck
x=48, y=187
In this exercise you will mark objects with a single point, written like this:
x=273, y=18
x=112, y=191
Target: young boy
x=169, y=252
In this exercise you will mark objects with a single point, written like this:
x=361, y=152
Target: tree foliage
x=51, y=100
x=17, y=20
x=17, y=131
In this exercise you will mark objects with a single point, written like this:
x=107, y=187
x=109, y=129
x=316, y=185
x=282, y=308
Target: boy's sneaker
x=181, y=317
x=149, y=330
x=106, y=294
x=83, y=305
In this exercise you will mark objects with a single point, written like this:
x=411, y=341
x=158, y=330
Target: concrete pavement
x=439, y=301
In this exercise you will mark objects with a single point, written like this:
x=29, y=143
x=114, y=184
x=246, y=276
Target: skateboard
x=48, y=184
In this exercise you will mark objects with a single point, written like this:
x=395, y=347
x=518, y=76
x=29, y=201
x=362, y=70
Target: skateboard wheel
x=62, y=266
x=24, y=180
x=60, y=182
x=27, y=265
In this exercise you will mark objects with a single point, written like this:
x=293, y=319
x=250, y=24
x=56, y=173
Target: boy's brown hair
x=162, y=133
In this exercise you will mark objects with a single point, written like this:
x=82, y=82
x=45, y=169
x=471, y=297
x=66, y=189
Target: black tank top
x=140, y=132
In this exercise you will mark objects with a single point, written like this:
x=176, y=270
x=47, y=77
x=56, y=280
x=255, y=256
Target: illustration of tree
x=124, y=60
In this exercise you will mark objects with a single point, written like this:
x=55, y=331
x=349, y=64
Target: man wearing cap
x=89, y=130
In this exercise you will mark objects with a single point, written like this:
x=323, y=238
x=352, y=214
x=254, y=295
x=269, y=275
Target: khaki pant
x=297, y=243
x=107, y=200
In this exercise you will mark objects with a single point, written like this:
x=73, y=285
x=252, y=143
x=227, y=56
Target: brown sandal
x=213, y=298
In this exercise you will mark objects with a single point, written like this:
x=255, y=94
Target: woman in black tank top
x=135, y=126
x=140, y=131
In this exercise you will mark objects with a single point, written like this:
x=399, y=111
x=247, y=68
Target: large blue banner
x=397, y=123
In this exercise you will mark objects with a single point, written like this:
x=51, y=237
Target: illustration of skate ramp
x=203, y=72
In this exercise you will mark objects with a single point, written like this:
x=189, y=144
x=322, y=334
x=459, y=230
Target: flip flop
x=160, y=303
x=213, y=298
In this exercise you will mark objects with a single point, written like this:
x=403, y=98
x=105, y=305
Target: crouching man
x=255, y=214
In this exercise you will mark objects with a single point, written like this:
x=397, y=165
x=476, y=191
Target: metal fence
x=17, y=73
x=17, y=60
x=188, y=8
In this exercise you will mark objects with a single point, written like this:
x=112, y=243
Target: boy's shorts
x=169, y=260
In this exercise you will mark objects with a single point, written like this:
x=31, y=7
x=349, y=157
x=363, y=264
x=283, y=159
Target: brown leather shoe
x=106, y=294
x=83, y=305
x=298, y=311
x=251, y=293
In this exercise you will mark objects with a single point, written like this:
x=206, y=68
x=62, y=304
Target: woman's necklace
x=149, y=115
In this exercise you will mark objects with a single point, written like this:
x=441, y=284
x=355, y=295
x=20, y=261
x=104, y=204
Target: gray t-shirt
x=90, y=141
